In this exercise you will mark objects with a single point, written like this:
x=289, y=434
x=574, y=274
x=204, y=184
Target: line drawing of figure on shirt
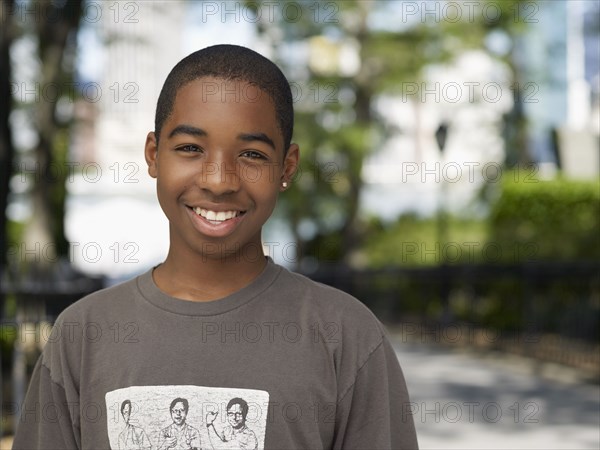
x=179, y=435
x=132, y=437
x=236, y=432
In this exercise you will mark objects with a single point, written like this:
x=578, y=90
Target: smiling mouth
x=217, y=217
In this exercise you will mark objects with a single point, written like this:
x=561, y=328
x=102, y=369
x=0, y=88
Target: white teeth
x=216, y=216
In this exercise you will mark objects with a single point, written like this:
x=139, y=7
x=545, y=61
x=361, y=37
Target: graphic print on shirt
x=186, y=417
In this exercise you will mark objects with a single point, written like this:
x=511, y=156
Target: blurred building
x=578, y=138
x=112, y=214
x=560, y=54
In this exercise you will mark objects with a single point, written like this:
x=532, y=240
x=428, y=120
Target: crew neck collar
x=158, y=298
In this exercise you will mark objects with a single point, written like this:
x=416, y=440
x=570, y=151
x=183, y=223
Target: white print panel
x=186, y=417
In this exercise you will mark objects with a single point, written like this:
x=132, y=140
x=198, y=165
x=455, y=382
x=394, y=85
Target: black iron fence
x=547, y=310
x=36, y=297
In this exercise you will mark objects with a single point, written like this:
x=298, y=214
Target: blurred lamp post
x=440, y=136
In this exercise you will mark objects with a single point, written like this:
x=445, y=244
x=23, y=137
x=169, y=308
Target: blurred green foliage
x=558, y=219
x=532, y=220
x=412, y=241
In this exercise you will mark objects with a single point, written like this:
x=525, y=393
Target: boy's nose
x=219, y=177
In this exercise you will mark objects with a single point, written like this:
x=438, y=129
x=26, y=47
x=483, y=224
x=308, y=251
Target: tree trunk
x=351, y=235
x=46, y=228
x=7, y=30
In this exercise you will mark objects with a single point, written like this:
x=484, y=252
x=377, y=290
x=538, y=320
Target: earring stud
x=284, y=184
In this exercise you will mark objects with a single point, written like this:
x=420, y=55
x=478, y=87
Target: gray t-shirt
x=294, y=363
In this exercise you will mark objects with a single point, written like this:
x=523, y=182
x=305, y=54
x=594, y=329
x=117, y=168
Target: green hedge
x=546, y=220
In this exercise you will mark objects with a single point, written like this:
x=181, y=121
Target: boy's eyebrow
x=262, y=137
x=246, y=137
x=187, y=129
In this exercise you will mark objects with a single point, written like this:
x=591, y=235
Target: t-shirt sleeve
x=374, y=413
x=46, y=417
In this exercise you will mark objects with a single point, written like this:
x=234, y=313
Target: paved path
x=466, y=401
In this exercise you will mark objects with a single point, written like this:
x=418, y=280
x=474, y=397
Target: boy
x=219, y=320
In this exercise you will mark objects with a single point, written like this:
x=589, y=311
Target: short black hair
x=235, y=63
x=184, y=401
x=239, y=401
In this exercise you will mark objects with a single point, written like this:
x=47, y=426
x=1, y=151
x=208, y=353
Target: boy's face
x=219, y=166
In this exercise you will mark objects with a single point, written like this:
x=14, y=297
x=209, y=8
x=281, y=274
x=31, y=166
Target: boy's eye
x=253, y=154
x=190, y=148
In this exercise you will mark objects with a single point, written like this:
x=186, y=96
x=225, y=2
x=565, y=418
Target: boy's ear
x=151, y=153
x=290, y=162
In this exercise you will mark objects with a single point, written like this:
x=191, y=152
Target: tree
x=53, y=27
x=337, y=132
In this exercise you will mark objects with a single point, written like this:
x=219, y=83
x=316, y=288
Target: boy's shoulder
x=329, y=302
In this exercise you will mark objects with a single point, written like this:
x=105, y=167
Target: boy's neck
x=208, y=279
